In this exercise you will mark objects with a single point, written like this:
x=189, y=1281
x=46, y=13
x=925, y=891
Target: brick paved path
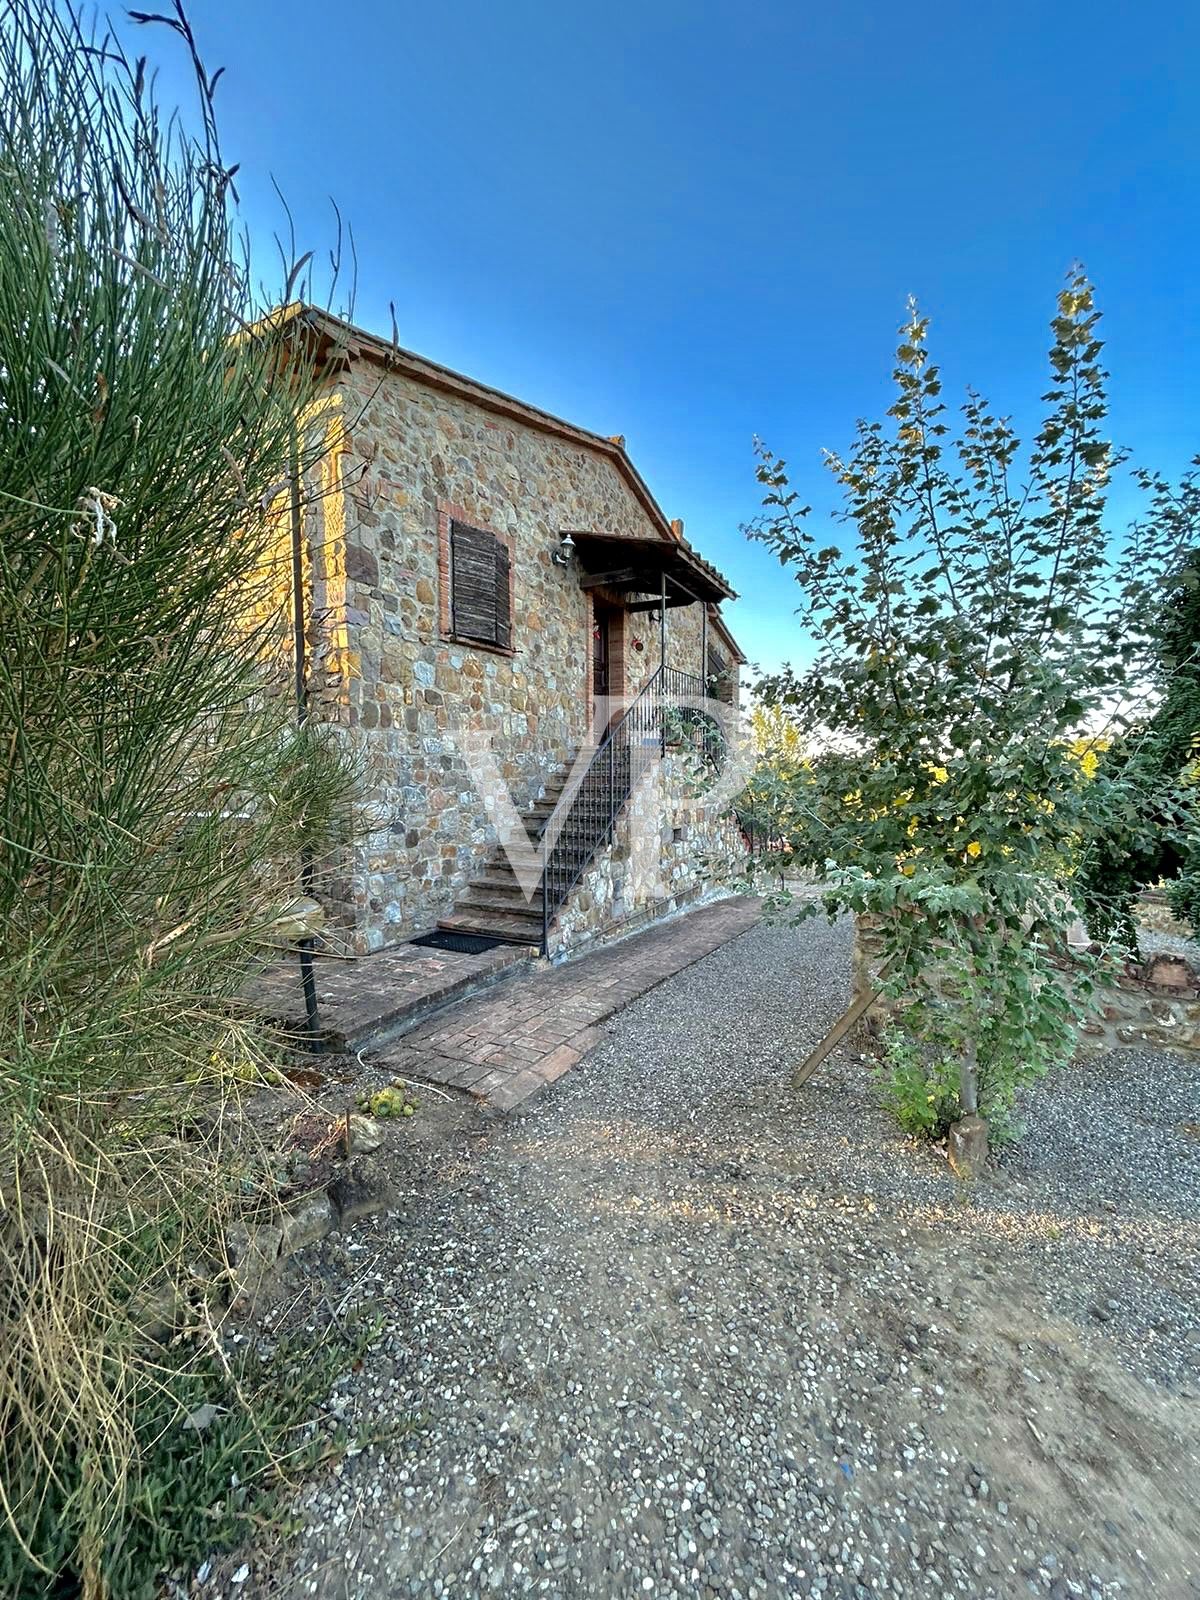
x=361, y=999
x=505, y=1046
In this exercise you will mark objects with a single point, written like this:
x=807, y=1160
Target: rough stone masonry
x=410, y=448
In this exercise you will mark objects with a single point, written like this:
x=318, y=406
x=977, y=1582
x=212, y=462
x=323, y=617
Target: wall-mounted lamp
x=566, y=549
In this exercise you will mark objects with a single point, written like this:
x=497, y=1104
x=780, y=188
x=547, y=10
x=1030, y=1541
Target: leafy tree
x=777, y=736
x=977, y=619
x=775, y=783
x=1156, y=835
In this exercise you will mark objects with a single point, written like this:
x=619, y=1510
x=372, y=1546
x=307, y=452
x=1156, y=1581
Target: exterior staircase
x=585, y=808
x=493, y=904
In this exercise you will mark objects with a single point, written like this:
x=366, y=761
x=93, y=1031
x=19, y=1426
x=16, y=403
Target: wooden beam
x=656, y=604
x=612, y=580
x=683, y=589
x=840, y=1029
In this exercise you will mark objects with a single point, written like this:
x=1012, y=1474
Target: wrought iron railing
x=584, y=820
x=768, y=848
x=757, y=831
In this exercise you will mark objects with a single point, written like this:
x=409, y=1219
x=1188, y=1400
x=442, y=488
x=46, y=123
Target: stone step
x=546, y=802
x=568, y=840
x=537, y=814
x=555, y=785
x=499, y=884
x=580, y=826
x=506, y=903
x=492, y=925
x=365, y=1002
x=496, y=875
x=493, y=902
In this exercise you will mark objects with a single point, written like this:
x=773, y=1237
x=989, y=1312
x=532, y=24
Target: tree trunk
x=968, y=1072
x=968, y=1081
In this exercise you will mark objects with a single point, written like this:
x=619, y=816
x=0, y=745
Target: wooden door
x=601, y=651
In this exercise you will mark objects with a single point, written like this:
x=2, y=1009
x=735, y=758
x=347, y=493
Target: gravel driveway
x=677, y=1331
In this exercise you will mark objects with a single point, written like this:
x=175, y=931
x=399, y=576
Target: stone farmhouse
x=479, y=574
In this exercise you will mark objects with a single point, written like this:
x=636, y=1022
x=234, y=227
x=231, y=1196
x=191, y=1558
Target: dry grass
x=155, y=797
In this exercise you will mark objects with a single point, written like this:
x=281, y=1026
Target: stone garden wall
x=1154, y=1002
x=865, y=963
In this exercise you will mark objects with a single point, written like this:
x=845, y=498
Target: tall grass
x=154, y=801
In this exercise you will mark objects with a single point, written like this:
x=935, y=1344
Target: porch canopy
x=655, y=567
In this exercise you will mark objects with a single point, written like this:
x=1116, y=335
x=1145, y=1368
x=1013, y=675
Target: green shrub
x=922, y=1095
x=215, y=1452
x=1183, y=891
x=155, y=796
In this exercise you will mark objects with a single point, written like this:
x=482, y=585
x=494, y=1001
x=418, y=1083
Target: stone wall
x=865, y=961
x=671, y=848
x=406, y=454
x=1154, y=1002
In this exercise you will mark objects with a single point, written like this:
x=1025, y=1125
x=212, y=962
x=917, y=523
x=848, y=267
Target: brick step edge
x=389, y=1025
x=494, y=927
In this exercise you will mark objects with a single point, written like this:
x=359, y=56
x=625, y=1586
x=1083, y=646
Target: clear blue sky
x=694, y=223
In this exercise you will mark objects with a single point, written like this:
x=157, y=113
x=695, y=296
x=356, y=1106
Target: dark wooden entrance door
x=601, y=651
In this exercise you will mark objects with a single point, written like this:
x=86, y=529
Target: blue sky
x=692, y=224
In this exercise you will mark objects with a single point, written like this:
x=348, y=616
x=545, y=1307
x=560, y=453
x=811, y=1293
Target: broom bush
x=155, y=796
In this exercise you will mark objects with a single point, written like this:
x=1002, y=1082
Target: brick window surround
x=447, y=512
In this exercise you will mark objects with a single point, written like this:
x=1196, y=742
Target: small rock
x=201, y=1417
x=306, y=1223
x=252, y=1251
x=366, y=1135
x=360, y=1188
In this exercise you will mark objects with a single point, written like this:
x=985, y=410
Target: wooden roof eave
x=619, y=561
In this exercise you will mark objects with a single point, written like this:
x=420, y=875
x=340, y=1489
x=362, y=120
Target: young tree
x=775, y=781
x=976, y=620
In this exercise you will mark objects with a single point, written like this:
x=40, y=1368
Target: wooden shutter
x=503, y=613
x=479, y=585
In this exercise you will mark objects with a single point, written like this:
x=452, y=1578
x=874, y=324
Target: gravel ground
x=1154, y=943
x=677, y=1331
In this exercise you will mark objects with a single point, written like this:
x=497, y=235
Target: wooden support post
x=839, y=1030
